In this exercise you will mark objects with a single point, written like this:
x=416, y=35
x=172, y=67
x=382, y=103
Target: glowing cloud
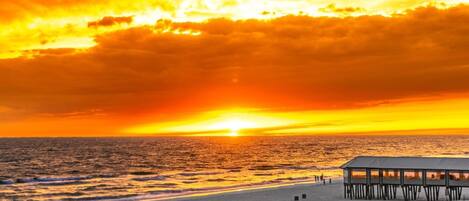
x=160, y=67
x=34, y=24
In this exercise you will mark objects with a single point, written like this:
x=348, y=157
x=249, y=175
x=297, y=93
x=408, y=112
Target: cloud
x=41, y=24
x=110, y=21
x=294, y=62
x=18, y=10
x=331, y=8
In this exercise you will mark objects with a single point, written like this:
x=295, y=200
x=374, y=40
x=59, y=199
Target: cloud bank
x=292, y=62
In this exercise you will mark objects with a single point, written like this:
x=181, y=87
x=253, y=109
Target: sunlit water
x=134, y=168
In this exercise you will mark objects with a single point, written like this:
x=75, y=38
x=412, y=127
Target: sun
x=233, y=133
x=233, y=125
x=225, y=122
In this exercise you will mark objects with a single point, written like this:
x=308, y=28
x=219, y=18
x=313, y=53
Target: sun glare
x=233, y=125
x=228, y=122
x=233, y=133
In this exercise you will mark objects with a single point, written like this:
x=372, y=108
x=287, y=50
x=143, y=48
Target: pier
x=372, y=178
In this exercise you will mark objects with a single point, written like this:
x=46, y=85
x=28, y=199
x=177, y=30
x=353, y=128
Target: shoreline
x=313, y=191
x=241, y=191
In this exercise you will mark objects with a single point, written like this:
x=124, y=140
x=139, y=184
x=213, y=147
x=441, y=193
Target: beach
x=313, y=191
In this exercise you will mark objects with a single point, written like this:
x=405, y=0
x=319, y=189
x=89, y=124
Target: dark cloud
x=292, y=62
x=110, y=21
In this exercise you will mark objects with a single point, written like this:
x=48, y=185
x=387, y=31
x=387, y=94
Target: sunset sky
x=233, y=67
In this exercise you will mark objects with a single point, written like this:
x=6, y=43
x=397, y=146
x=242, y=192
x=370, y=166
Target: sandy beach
x=313, y=191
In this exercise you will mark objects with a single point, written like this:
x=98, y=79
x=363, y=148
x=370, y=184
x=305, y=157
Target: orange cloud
x=292, y=62
x=109, y=21
x=18, y=10
x=341, y=10
x=39, y=24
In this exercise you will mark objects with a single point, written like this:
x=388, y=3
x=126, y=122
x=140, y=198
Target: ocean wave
x=301, y=167
x=105, y=176
x=217, y=180
x=329, y=168
x=190, y=174
x=164, y=185
x=152, y=178
x=49, y=179
x=189, y=182
x=231, y=168
x=44, y=179
x=8, y=181
x=115, y=197
x=263, y=174
x=264, y=167
x=74, y=194
x=168, y=193
x=159, y=192
x=63, y=183
x=143, y=173
x=282, y=167
x=24, y=180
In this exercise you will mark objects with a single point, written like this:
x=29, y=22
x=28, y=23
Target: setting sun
x=234, y=126
x=227, y=122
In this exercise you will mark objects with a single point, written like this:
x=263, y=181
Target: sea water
x=154, y=167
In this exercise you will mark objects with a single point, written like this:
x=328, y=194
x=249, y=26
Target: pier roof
x=427, y=163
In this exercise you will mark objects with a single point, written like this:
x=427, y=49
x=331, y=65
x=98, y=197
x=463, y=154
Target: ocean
x=162, y=167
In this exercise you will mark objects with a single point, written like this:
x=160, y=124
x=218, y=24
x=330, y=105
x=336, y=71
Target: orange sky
x=233, y=67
